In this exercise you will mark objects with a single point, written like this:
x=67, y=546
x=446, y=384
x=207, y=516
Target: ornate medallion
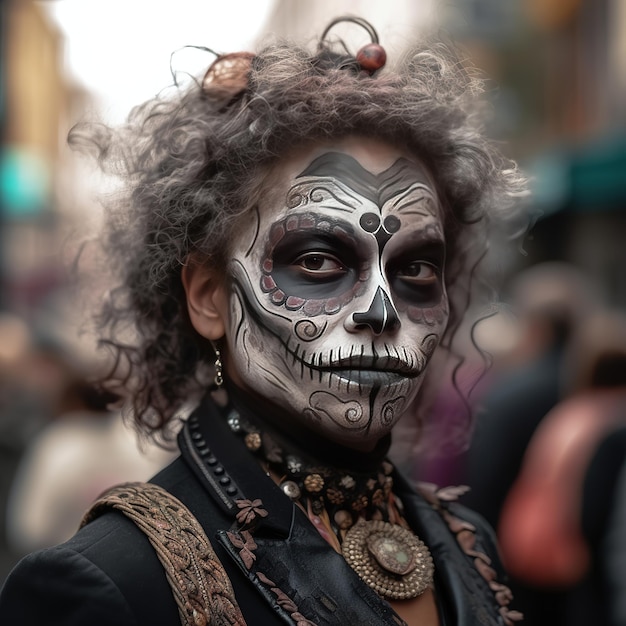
x=389, y=558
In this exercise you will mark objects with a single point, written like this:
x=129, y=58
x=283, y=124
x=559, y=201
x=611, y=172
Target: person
x=48, y=496
x=602, y=524
x=555, y=528
x=605, y=530
x=550, y=300
x=297, y=247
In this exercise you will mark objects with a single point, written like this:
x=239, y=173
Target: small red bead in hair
x=371, y=57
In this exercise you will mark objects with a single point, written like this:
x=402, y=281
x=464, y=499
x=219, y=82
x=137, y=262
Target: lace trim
x=465, y=534
x=200, y=585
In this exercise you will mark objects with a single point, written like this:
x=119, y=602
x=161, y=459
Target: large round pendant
x=390, y=559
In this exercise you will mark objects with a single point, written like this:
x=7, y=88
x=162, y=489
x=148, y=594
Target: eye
x=319, y=265
x=417, y=273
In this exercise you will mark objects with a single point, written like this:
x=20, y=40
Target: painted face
x=338, y=299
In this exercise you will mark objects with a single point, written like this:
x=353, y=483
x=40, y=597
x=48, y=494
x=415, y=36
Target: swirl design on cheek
x=307, y=330
x=429, y=344
x=354, y=413
x=327, y=405
x=391, y=409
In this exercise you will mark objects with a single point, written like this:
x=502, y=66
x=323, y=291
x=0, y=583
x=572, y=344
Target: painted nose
x=380, y=317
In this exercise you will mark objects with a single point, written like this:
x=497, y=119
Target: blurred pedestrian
x=549, y=301
x=554, y=523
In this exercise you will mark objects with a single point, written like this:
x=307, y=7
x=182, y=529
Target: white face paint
x=338, y=299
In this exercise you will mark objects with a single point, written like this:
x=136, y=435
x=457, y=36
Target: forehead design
x=393, y=183
x=378, y=188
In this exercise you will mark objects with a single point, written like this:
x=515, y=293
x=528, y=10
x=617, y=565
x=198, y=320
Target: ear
x=207, y=299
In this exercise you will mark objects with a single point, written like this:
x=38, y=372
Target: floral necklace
x=356, y=512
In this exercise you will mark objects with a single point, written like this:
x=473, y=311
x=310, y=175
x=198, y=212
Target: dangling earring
x=219, y=373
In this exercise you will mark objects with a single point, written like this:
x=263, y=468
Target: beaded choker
x=347, y=493
x=356, y=512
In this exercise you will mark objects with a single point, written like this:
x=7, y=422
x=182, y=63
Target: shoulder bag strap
x=201, y=587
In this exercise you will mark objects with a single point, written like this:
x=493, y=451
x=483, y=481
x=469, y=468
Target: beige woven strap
x=200, y=585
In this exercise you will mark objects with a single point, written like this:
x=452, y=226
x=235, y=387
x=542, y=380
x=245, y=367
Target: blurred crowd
x=62, y=441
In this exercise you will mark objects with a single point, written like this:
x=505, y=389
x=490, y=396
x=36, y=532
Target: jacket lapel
x=305, y=577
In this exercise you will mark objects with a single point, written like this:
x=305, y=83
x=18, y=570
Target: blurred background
x=556, y=73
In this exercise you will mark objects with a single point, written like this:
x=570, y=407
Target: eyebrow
x=378, y=188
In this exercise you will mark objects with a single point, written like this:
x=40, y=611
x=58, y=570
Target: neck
x=293, y=436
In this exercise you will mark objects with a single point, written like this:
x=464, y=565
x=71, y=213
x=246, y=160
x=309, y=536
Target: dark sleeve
x=108, y=574
x=61, y=587
x=600, y=485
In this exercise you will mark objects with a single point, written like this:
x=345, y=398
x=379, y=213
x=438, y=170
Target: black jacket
x=108, y=574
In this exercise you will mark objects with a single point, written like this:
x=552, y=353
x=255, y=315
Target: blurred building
x=36, y=109
x=398, y=23
x=35, y=106
x=558, y=69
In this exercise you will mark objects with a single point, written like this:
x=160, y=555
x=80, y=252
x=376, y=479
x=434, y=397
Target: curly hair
x=194, y=163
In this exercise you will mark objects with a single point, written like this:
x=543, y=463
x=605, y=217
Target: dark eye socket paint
x=416, y=275
x=298, y=253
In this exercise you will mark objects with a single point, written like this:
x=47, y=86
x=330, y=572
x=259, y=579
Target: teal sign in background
x=24, y=182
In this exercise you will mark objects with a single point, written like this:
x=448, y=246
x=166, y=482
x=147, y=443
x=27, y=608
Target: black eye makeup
x=416, y=275
x=315, y=265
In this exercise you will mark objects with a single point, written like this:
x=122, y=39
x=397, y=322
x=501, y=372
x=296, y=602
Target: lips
x=369, y=378
x=363, y=368
x=386, y=363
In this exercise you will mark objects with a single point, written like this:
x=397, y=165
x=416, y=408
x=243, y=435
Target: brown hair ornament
x=372, y=56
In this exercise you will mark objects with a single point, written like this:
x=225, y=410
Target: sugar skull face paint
x=338, y=300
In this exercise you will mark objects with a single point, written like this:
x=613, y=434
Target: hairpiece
x=372, y=56
x=227, y=76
